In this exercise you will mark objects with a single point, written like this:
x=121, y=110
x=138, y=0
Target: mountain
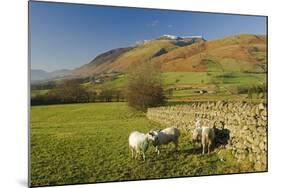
x=59, y=73
x=100, y=63
x=118, y=60
x=41, y=75
x=37, y=75
x=239, y=53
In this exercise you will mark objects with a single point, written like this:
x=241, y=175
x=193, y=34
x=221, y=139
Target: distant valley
x=38, y=75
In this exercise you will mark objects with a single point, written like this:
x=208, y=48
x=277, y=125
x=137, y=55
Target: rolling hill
x=118, y=60
x=38, y=75
x=238, y=53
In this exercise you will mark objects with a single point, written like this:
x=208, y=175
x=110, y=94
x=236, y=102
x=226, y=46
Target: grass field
x=37, y=92
x=204, y=78
x=198, y=78
x=187, y=85
x=82, y=143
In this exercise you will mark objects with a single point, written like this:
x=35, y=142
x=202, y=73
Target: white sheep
x=206, y=136
x=139, y=143
x=198, y=123
x=164, y=137
x=196, y=136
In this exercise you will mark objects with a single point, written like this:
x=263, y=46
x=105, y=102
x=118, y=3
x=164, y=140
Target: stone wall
x=247, y=124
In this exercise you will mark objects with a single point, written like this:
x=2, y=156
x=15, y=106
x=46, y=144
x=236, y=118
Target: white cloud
x=153, y=23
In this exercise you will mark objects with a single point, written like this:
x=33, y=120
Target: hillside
x=238, y=53
x=38, y=74
x=118, y=60
x=41, y=75
x=101, y=63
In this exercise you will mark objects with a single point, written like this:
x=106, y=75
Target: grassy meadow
x=186, y=86
x=84, y=143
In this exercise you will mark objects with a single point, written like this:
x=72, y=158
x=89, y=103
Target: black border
x=150, y=179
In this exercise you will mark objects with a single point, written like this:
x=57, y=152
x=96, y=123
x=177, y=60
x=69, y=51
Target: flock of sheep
x=139, y=142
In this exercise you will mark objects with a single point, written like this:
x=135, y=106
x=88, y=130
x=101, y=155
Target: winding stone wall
x=247, y=124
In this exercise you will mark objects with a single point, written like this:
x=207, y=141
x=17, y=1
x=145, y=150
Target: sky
x=66, y=36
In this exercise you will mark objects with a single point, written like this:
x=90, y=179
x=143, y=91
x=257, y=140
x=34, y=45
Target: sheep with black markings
x=165, y=136
x=139, y=143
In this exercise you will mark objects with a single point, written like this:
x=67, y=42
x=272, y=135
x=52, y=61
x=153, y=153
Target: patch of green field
x=38, y=92
x=186, y=85
x=120, y=82
x=184, y=93
x=84, y=143
x=230, y=86
x=194, y=81
x=205, y=78
x=185, y=78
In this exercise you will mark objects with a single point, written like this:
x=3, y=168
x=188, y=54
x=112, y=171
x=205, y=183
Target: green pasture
x=186, y=86
x=37, y=92
x=84, y=143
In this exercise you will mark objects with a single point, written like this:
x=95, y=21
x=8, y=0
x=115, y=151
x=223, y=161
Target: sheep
x=208, y=137
x=164, y=137
x=196, y=136
x=205, y=135
x=198, y=123
x=139, y=143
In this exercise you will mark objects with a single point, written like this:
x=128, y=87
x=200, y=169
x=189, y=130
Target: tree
x=144, y=87
x=69, y=91
x=107, y=95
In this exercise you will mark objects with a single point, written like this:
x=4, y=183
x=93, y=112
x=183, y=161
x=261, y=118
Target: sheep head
x=196, y=135
x=153, y=137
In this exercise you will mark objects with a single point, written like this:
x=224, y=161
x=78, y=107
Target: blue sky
x=66, y=36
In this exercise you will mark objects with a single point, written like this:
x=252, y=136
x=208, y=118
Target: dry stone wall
x=247, y=124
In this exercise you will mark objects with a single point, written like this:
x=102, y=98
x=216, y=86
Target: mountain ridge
x=37, y=75
x=242, y=52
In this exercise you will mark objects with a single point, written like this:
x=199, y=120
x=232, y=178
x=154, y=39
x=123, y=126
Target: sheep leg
x=209, y=147
x=143, y=156
x=176, y=145
x=158, y=150
x=193, y=146
x=203, y=149
x=132, y=150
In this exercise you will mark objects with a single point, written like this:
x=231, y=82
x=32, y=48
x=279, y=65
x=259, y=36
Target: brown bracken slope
x=242, y=53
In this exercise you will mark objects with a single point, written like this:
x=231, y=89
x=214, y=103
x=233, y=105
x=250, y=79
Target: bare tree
x=144, y=87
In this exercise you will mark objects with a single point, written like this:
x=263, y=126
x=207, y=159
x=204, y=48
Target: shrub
x=144, y=87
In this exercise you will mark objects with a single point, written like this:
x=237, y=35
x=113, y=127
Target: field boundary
x=246, y=123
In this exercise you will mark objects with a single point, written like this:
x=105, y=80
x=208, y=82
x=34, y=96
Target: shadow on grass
x=194, y=151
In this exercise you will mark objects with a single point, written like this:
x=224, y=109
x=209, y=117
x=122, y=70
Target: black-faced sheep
x=164, y=137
